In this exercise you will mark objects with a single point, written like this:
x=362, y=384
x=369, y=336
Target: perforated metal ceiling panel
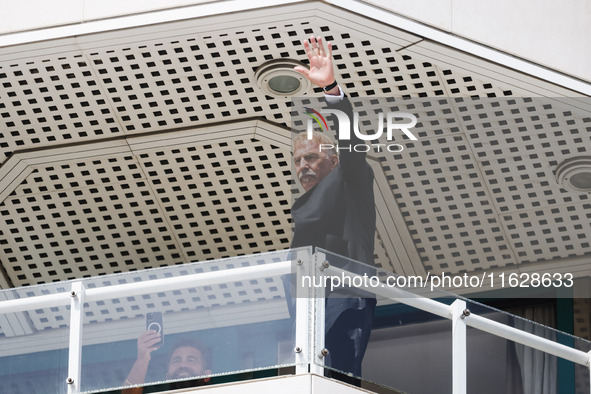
x=170, y=199
x=468, y=196
x=481, y=192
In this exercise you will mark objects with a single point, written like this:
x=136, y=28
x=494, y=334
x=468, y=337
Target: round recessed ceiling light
x=278, y=78
x=575, y=174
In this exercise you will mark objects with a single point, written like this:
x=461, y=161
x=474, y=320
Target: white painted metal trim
x=151, y=286
x=525, y=338
x=39, y=302
x=318, y=317
x=405, y=297
x=194, y=280
x=479, y=322
x=303, y=317
x=137, y=20
x=314, y=311
x=75, y=346
x=589, y=365
x=458, y=346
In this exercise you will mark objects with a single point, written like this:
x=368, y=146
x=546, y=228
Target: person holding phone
x=188, y=358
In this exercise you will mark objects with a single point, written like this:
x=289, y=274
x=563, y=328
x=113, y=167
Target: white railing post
x=304, y=266
x=589, y=365
x=318, y=316
x=458, y=356
x=75, y=346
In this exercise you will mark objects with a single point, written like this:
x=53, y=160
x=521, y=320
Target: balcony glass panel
x=411, y=336
x=496, y=364
x=34, y=342
x=223, y=321
x=405, y=344
x=242, y=318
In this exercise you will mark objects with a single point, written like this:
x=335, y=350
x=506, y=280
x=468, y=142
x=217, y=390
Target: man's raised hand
x=321, y=71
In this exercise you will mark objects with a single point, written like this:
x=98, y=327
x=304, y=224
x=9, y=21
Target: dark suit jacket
x=338, y=214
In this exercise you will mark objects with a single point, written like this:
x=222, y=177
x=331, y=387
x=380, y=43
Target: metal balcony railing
x=82, y=333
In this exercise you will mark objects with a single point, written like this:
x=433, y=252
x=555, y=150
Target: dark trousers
x=347, y=339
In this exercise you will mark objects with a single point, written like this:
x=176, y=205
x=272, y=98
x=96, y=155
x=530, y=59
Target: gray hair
x=319, y=138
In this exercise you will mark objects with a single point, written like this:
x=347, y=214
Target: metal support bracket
x=303, y=303
x=459, y=313
x=318, y=318
x=75, y=348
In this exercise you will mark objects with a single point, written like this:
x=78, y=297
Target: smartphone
x=154, y=323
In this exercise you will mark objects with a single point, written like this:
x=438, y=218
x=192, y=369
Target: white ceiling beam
x=463, y=44
x=137, y=20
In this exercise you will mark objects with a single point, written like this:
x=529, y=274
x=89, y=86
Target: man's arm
x=145, y=347
x=321, y=73
x=352, y=151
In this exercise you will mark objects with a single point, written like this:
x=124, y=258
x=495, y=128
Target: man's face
x=311, y=164
x=186, y=362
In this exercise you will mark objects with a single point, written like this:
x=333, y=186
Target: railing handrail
x=479, y=322
x=152, y=285
x=460, y=318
